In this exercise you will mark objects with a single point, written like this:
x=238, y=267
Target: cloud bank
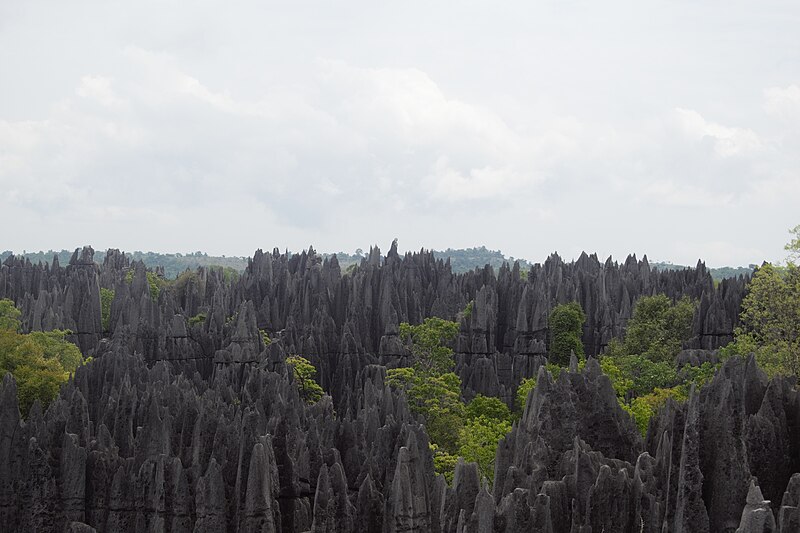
x=230, y=130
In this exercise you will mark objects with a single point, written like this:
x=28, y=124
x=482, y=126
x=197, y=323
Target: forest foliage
x=303, y=374
x=566, y=330
x=39, y=361
x=770, y=320
x=456, y=429
x=642, y=366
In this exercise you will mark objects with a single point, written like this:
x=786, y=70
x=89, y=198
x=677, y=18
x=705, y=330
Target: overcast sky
x=669, y=128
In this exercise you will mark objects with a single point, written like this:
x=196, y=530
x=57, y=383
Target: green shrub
x=478, y=442
x=106, y=297
x=154, y=282
x=488, y=407
x=566, y=331
x=199, y=318
x=525, y=386
x=304, y=372
x=40, y=361
x=657, y=329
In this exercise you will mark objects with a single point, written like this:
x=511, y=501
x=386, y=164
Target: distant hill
x=464, y=260
x=461, y=260
x=716, y=273
x=173, y=264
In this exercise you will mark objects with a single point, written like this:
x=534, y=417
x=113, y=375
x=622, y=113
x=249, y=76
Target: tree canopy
x=106, y=297
x=471, y=431
x=431, y=387
x=770, y=320
x=657, y=329
x=303, y=372
x=793, y=246
x=566, y=331
x=9, y=316
x=642, y=367
x=39, y=361
x=427, y=343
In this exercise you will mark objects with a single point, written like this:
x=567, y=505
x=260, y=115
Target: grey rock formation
x=343, y=322
x=187, y=421
x=757, y=515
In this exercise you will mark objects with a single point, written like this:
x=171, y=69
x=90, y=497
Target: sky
x=666, y=128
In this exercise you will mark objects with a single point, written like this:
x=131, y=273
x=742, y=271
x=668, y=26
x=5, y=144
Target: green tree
x=793, y=246
x=639, y=375
x=621, y=382
x=54, y=345
x=199, y=318
x=9, y=315
x=106, y=297
x=770, y=320
x=437, y=397
x=444, y=463
x=38, y=378
x=427, y=343
x=39, y=361
x=431, y=387
x=487, y=407
x=434, y=392
x=478, y=441
x=525, y=387
x=488, y=420
x=303, y=372
x=566, y=330
x=229, y=274
x=644, y=407
x=657, y=329
x=642, y=366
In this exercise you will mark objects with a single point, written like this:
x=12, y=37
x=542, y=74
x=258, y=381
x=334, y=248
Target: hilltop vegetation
x=173, y=264
x=716, y=273
x=464, y=260
x=461, y=260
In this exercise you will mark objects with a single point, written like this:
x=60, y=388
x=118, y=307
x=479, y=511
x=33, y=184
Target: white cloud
x=783, y=103
x=728, y=141
x=98, y=88
x=449, y=185
x=671, y=194
x=557, y=136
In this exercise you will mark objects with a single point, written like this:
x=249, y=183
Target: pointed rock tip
x=754, y=494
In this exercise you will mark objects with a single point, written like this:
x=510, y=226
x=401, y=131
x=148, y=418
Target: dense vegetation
x=464, y=260
x=455, y=429
x=40, y=361
x=566, y=327
x=642, y=366
x=770, y=319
